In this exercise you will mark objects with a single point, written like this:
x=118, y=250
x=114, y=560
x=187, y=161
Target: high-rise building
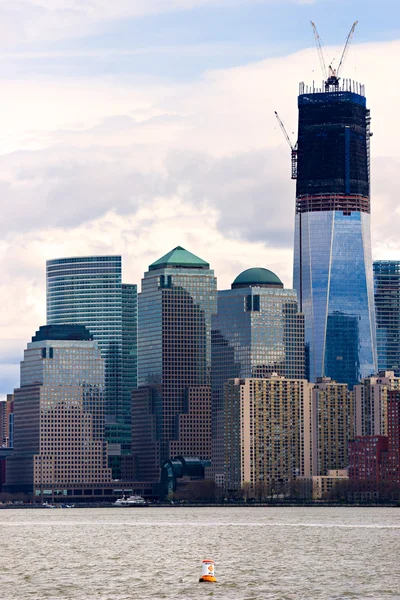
x=371, y=397
x=59, y=447
x=7, y=422
x=177, y=301
x=332, y=256
x=257, y=331
x=267, y=432
x=89, y=291
x=333, y=425
x=387, y=308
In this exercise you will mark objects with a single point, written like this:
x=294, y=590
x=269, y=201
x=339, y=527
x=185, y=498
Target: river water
x=155, y=553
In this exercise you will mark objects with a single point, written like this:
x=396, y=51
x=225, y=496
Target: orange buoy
x=208, y=572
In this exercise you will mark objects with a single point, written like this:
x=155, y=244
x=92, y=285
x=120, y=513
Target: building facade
x=390, y=468
x=267, y=432
x=257, y=331
x=333, y=425
x=332, y=256
x=59, y=446
x=176, y=303
x=89, y=291
x=387, y=308
x=376, y=458
x=371, y=397
x=7, y=422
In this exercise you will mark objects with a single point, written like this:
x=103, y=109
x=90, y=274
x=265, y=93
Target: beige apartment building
x=333, y=425
x=267, y=431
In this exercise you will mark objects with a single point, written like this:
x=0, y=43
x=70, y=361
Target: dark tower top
x=333, y=150
x=62, y=333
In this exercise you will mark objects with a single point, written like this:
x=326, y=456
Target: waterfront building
x=7, y=422
x=59, y=447
x=322, y=485
x=371, y=397
x=257, y=331
x=390, y=469
x=376, y=458
x=89, y=291
x=333, y=425
x=387, y=308
x=332, y=255
x=267, y=432
x=176, y=303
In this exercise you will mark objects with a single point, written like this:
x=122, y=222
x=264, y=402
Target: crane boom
x=346, y=48
x=285, y=133
x=293, y=148
x=320, y=50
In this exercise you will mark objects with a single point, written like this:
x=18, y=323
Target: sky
x=133, y=126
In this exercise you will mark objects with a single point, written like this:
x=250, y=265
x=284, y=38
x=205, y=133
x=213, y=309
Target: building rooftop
x=257, y=277
x=62, y=332
x=179, y=258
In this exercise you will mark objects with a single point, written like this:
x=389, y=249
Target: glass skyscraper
x=176, y=303
x=89, y=291
x=332, y=258
x=387, y=308
x=256, y=332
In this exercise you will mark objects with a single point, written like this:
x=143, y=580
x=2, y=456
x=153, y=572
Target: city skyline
x=119, y=131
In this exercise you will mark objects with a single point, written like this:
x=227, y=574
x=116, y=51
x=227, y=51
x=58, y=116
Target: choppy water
x=155, y=553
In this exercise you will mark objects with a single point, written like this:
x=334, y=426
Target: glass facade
x=332, y=259
x=387, y=308
x=335, y=265
x=89, y=291
x=177, y=301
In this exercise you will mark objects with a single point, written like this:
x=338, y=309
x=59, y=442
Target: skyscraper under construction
x=332, y=256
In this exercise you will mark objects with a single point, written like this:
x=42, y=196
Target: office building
x=387, y=309
x=371, y=397
x=267, y=432
x=89, y=291
x=332, y=256
x=59, y=447
x=333, y=425
x=257, y=331
x=176, y=303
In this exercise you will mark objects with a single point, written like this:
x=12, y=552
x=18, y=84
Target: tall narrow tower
x=332, y=257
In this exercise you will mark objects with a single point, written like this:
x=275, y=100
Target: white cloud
x=39, y=20
x=100, y=166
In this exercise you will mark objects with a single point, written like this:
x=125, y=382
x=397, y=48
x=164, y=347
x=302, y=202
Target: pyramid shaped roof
x=179, y=257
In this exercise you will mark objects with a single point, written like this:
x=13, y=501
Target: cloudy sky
x=133, y=126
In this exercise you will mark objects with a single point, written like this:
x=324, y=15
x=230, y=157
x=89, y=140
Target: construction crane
x=346, y=47
x=318, y=43
x=292, y=147
x=331, y=76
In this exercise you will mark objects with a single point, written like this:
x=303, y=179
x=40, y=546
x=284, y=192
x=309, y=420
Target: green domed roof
x=257, y=277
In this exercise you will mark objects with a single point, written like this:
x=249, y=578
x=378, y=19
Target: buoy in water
x=207, y=572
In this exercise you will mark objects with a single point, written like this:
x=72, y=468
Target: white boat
x=131, y=501
x=47, y=505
